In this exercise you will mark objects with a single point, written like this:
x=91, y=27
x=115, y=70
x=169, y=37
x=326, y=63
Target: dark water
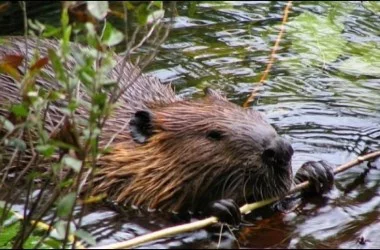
x=322, y=94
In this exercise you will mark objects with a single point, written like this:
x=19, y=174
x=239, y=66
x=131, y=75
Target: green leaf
x=32, y=94
x=63, y=145
x=19, y=110
x=65, y=45
x=65, y=205
x=17, y=143
x=92, y=39
x=107, y=84
x=66, y=183
x=72, y=163
x=142, y=13
x=36, y=25
x=155, y=15
x=6, y=124
x=46, y=150
x=88, y=134
x=56, y=168
x=87, y=237
x=65, y=16
x=32, y=241
x=55, y=95
x=98, y=9
x=8, y=233
x=158, y=4
x=9, y=217
x=111, y=35
x=72, y=105
x=90, y=28
x=51, y=31
x=57, y=65
x=86, y=77
x=99, y=99
x=59, y=230
x=44, y=136
x=53, y=243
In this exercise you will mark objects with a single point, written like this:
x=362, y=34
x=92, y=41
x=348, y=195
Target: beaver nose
x=279, y=152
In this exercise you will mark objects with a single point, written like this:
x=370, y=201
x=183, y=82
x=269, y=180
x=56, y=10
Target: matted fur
x=180, y=167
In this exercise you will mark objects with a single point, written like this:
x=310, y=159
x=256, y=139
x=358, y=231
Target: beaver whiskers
x=169, y=153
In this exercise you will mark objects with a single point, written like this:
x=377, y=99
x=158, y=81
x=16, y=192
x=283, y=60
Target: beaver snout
x=278, y=153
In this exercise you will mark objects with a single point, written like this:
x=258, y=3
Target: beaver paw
x=226, y=210
x=320, y=175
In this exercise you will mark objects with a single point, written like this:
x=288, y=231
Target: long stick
x=272, y=56
x=213, y=220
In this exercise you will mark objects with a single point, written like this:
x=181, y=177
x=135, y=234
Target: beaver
x=175, y=154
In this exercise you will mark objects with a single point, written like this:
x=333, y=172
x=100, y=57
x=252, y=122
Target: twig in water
x=272, y=56
x=246, y=209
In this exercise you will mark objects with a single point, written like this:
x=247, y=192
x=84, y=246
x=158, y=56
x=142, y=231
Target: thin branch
x=25, y=19
x=21, y=233
x=161, y=234
x=47, y=232
x=272, y=56
x=246, y=209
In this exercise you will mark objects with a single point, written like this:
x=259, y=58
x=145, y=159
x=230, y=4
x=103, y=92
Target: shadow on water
x=323, y=95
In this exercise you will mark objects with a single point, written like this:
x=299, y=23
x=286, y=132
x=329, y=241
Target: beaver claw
x=226, y=210
x=320, y=175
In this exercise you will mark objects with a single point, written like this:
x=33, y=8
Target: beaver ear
x=141, y=126
x=213, y=94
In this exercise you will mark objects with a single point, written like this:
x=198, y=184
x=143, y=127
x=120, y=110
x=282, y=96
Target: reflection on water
x=324, y=99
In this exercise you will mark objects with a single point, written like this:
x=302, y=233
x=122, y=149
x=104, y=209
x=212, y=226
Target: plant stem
x=213, y=220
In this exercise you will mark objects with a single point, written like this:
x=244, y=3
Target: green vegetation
x=314, y=42
x=66, y=162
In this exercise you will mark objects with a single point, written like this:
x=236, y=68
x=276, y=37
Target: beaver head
x=169, y=153
x=185, y=154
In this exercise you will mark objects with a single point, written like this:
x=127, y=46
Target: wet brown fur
x=179, y=167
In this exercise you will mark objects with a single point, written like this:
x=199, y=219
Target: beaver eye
x=215, y=135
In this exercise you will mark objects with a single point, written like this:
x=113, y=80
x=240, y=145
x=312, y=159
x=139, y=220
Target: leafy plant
x=66, y=152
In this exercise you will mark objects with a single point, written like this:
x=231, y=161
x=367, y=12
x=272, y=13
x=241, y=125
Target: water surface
x=322, y=94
